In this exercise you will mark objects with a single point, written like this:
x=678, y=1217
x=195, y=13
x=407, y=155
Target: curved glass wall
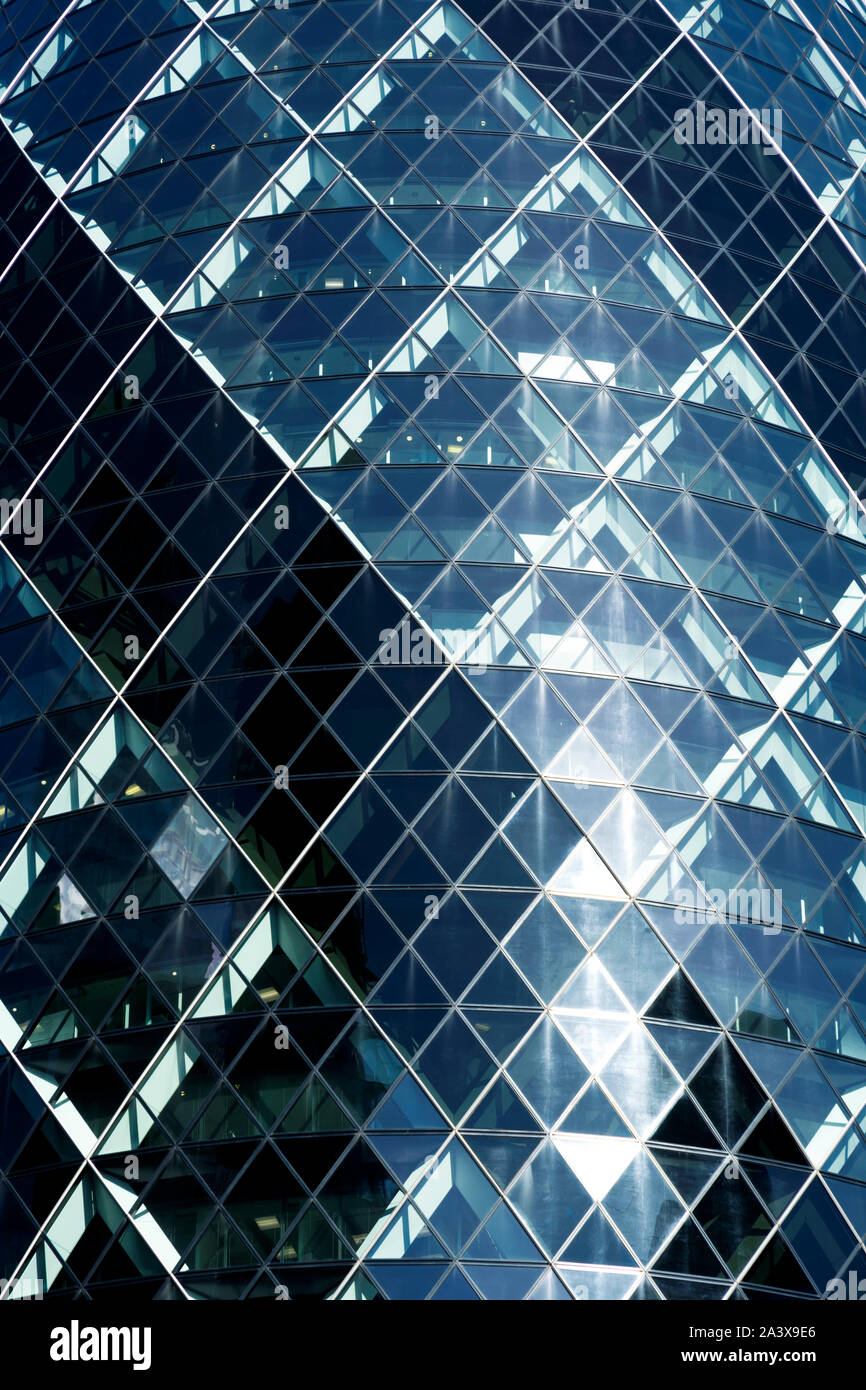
x=432, y=613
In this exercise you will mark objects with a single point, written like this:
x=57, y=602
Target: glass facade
x=432, y=649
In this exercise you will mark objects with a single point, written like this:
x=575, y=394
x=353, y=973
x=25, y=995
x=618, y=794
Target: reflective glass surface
x=432, y=649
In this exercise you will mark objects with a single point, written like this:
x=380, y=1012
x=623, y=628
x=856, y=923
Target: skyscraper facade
x=432, y=655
